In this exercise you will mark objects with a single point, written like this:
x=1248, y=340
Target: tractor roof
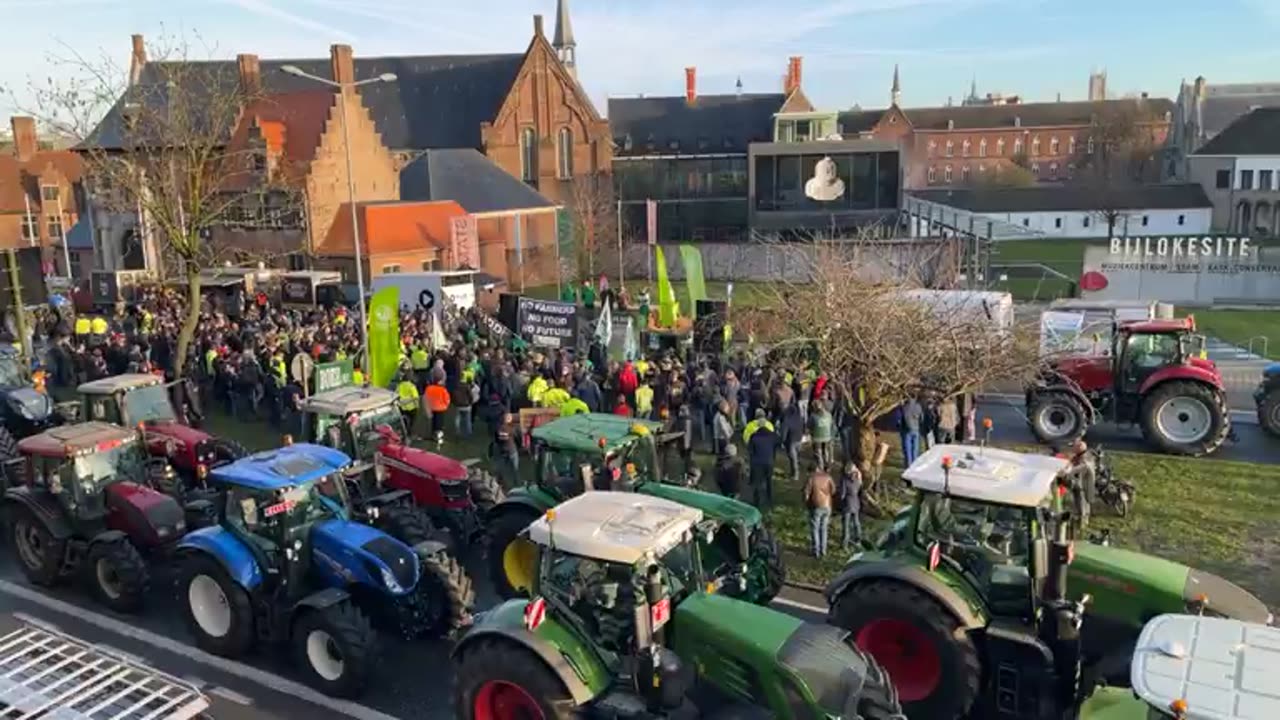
x=986, y=474
x=116, y=383
x=76, y=439
x=582, y=433
x=614, y=526
x=281, y=468
x=344, y=400
x=1223, y=669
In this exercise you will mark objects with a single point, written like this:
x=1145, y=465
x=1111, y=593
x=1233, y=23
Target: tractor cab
x=1140, y=349
x=595, y=451
x=356, y=420
x=77, y=463
x=127, y=400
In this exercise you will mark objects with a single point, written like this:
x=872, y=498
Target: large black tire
x=1057, y=418
x=766, y=573
x=448, y=593
x=502, y=531
x=879, y=699
x=490, y=666
x=337, y=649
x=892, y=605
x=38, y=552
x=408, y=525
x=237, y=637
x=486, y=493
x=1159, y=416
x=8, y=445
x=1269, y=411
x=117, y=575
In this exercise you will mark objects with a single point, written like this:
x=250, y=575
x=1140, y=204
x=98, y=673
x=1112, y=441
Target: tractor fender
x=514, y=499
x=43, y=506
x=236, y=559
x=1067, y=389
x=546, y=651
x=391, y=497
x=108, y=536
x=912, y=575
x=321, y=599
x=1190, y=373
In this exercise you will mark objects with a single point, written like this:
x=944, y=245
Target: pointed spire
x=896, y=92
x=973, y=88
x=739, y=85
x=564, y=29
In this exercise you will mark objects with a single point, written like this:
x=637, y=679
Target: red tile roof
x=389, y=227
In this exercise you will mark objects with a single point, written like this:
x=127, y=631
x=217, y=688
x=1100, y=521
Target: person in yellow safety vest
x=339, y=356
x=644, y=401
x=537, y=388
x=357, y=377
x=642, y=367
x=98, y=326
x=420, y=361
x=82, y=327
x=147, y=320
x=574, y=406
x=279, y=370
x=408, y=393
x=210, y=356
x=759, y=421
x=555, y=397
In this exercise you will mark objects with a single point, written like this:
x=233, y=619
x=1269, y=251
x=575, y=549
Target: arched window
x=950, y=148
x=564, y=164
x=982, y=147
x=1053, y=146
x=1000, y=147
x=1035, y=145
x=528, y=155
x=964, y=148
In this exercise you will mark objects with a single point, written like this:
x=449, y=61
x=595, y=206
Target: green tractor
x=595, y=451
x=623, y=624
x=937, y=600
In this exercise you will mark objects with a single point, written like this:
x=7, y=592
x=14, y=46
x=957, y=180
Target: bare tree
x=1014, y=174
x=1119, y=152
x=593, y=207
x=161, y=149
x=880, y=339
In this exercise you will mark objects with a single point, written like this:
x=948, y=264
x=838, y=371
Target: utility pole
x=19, y=310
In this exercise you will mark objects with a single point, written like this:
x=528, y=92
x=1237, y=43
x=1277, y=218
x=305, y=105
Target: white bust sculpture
x=825, y=185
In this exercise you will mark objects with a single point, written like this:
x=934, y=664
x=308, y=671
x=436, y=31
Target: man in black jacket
x=729, y=472
x=761, y=449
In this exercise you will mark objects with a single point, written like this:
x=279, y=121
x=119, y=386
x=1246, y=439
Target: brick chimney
x=691, y=85
x=250, y=74
x=25, y=142
x=793, y=75
x=342, y=64
x=137, y=58
x=537, y=26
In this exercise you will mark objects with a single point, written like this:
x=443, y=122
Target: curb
x=809, y=587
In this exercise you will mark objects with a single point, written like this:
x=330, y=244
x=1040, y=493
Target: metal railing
x=1258, y=340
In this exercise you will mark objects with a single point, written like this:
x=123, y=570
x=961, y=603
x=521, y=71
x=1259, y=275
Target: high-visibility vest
x=644, y=399
x=339, y=356
x=210, y=356
x=437, y=398
x=408, y=393
x=555, y=397
x=752, y=427
x=574, y=406
x=420, y=359
x=82, y=326
x=277, y=367
x=99, y=326
x=357, y=377
x=146, y=321
x=537, y=388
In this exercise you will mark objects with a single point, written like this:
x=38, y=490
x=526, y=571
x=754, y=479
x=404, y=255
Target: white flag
x=438, y=340
x=630, y=346
x=604, y=326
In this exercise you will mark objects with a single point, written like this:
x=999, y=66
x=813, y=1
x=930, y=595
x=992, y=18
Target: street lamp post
x=351, y=192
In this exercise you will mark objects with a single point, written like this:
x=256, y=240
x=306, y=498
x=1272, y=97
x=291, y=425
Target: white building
x=1072, y=212
x=1240, y=173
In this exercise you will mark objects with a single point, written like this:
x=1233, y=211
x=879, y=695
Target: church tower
x=563, y=42
x=895, y=94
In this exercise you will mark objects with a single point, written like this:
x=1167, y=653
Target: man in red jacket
x=628, y=382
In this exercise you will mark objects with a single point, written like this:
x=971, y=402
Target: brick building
x=39, y=198
x=958, y=145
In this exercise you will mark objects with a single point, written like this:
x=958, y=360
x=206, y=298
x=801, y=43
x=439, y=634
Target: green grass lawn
x=1065, y=255
x=1239, y=326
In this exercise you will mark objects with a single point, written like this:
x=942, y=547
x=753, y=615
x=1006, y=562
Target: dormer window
x=673, y=144
x=626, y=143
x=260, y=162
x=951, y=124
x=703, y=143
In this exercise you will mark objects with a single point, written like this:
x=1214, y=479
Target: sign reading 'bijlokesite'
x=1190, y=269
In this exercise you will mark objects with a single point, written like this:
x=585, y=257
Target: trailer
x=1085, y=327
x=45, y=673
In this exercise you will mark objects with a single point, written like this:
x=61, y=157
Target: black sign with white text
x=549, y=324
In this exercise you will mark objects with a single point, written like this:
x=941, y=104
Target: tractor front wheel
x=879, y=698
x=512, y=559
x=217, y=609
x=485, y=491
x=447, y=593
x=408, y=525
x=497, y=680
x=338, y=647
x=766, y=573
x=1057, y=419
x=8, y=445
x=117, y=575
x=1269, y=412
x=1185, y=418
x=931, y=660
x=39, y=553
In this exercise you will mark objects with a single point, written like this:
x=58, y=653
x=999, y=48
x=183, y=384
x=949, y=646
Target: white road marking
x=230, y=667
x=231, y=695
x=799, y=605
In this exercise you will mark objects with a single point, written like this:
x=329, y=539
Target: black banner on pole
x=549, y=324
x=708, y=326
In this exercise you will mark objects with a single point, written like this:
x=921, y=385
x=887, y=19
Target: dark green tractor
x=943, y=597
x=623, y=623
x=595, y=451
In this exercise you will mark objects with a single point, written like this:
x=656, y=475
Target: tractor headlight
x=379, y=473
x=390, y=580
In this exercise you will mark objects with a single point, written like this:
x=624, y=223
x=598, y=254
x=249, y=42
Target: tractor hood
x=717, y=507
x=183, y=435
x=1271, y=371
x=435, y=466
x=1133, y=587
x=1090, y=372
x=30, y=404
x=362, y=555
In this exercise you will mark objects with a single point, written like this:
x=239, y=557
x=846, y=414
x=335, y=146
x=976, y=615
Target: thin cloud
x=266, y=9
x=401, y=18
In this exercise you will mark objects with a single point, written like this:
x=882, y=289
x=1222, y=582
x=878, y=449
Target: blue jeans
x=910, y=447
x=851, y=529
x=462, y=421
x=819, y=523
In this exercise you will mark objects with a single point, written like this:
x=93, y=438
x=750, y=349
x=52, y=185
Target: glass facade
x=871, y=181
x=696, y=178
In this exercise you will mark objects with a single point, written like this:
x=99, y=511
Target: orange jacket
x=437, y=398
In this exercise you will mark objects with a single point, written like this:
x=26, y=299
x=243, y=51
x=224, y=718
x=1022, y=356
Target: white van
x=428, y=290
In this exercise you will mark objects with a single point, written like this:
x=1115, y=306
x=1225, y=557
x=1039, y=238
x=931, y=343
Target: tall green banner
x=692, y=258
x=384, y=336
x=668, y=310
x=566, y=252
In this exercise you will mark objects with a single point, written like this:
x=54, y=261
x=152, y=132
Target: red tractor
x=366, y=423
x=134, y=399
x=1153, y=377
x=78, y=505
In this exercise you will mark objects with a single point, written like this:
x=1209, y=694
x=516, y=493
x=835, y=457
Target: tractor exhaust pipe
x=1060, y=626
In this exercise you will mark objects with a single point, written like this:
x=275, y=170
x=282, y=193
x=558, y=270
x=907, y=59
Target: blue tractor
x=1267, y=396
x=287, y=565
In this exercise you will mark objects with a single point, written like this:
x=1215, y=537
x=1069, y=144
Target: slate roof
x=981, y=117
x=1257, y=133
x=713, y=124
x=468, y=178
x=79, y=236
x=1224, y=103
x=1050, y=198
x=437, y=101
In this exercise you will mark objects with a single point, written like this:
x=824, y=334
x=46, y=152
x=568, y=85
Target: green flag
x=692, y=258
x=384, y=336
x=668, y=310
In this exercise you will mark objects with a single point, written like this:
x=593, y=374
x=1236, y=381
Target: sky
x=1038, y=49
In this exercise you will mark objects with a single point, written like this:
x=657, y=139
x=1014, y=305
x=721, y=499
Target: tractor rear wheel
x=1185, y=418
x=1057, y=418
x=931, y=660
x=117, y=575
x=879, y=698
x=766, y=573
x=217, y=609
x=39, y=553
x=408, y=525
x=485, y=490
x=512, y=559
x=338, y=648
x=498, y=680
x=1269, y=412
x=8, y=445
x=448, y=594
